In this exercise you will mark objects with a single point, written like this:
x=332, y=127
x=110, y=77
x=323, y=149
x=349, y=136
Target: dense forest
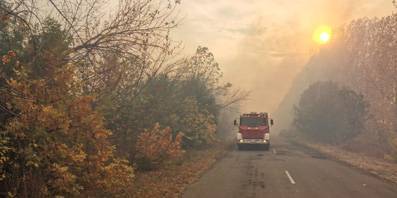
x=361, y=60
x=86, y=101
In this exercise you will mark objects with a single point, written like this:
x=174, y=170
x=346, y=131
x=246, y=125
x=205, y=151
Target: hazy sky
x=263, y=44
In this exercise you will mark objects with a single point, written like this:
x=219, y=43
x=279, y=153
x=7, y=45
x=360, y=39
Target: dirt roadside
x=171, y=181
x=381, y=168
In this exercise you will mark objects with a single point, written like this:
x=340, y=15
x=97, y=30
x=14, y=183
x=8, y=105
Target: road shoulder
x=377, y=167
x=172, y=180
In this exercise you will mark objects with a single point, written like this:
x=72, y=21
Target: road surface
x=286, y=171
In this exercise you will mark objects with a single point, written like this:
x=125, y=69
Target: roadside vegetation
x=88, y=102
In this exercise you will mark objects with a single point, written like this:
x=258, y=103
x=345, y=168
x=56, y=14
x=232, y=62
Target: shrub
x=198, y=125
x=157, y=146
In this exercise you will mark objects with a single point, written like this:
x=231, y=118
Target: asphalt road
x=286, y=171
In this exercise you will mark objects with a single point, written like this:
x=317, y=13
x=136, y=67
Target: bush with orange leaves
x=53, y=142
x=157, y=146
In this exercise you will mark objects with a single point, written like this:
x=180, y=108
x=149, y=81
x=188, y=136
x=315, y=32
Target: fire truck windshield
x=253, y=121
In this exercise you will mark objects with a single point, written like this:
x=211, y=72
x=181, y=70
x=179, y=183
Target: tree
x=55, y=143
x=330, y=113
x=136, y=32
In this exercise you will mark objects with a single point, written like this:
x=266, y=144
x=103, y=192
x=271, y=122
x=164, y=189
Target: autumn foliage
x=53, y=141
x=58, y=135
x=82, y=97
x=63, y=139
x=156, y=146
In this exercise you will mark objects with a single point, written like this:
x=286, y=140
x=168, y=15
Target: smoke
x=263, y=45
x=277, y=45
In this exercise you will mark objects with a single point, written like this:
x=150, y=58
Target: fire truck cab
x=253, y=130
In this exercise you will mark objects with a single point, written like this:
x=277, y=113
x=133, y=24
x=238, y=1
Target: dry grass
x=170, y=181
x=382, y=168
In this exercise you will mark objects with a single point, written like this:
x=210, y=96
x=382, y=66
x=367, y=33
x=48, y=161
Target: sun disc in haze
x=322, y=34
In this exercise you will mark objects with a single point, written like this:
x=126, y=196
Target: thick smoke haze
x=262, y=45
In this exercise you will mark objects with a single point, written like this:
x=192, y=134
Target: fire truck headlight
x=267, y=136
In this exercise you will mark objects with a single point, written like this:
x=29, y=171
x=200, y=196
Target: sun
x=322, y=35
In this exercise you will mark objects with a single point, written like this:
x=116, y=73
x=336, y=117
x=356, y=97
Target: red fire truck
x=254, y=130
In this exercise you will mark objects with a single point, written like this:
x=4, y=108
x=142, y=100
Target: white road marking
x=289, y=177
x=274, y=152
